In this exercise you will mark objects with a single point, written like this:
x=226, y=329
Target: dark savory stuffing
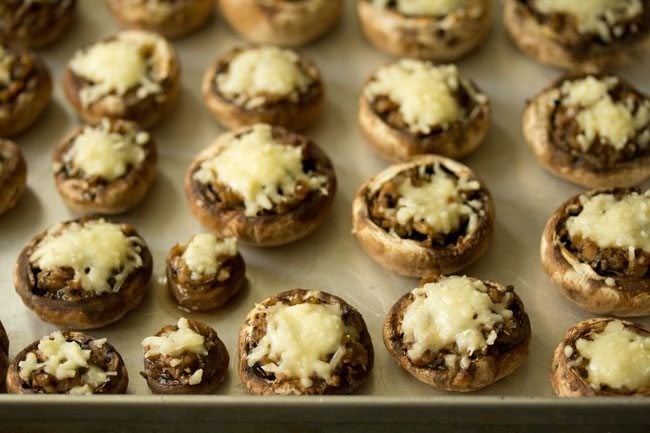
x=23, y=77
x=21, y=20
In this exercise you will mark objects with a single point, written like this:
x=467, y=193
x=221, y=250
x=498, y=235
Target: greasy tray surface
x=329, y=259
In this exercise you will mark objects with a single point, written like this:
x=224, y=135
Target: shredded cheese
x=610, y=222
x=63, y=359
x=439, y=202
x=175, y=343
x=617, y=357
x=302, y=341
x=453, y=310
x=424, y=93
x=203, y=252
x=99, y=152
x=594, y=16
x=600, y=116
x=117, y=66
x=264, y=171
x=97, y=251
x=255, y=73
x=424, y=7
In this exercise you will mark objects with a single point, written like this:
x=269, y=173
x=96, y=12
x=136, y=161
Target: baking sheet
x=330, y=259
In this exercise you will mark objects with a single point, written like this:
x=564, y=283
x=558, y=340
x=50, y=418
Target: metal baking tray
x=330, y=259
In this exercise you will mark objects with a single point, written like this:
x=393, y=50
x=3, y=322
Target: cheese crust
x=442, y=225
x=600, y=275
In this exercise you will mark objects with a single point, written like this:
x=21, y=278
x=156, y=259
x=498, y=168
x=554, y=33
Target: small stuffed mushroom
x=35, y=23
x=170, y=18
x=186, y=358
x=83, y=274
x=282, y=22
x=4, y=356
x=264, y=185
x=593, y=130
x=25, y=89
x=303, y=342
x=133, y=75
x=205, y=272
x=265, y=84
x=105, y=169
x=594, y=249
x=458, y=333
x=602, y=357
x=13, y=174
x=68, y=363
x=431, y=214
x=442, y=31
x=579, y=35
x=412, y=107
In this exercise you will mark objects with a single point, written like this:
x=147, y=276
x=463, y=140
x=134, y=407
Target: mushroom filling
x=64, y=365
x=609, y=232
x=70, y=262
x=580, y=26
x=264, y=78
x=344, y=361
x=17, y=73
x=429, y=204
x=101, y=155
x=600, y=122
x=201, y=266
x=485, y=321
x=425, y=8
x=20, y=18
x=612, y=358
x=179, y=354
x=262, y=172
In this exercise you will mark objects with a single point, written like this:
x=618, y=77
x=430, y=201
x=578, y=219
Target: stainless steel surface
x=330, y=259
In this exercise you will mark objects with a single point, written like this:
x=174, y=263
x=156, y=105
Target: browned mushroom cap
x=169, y=18
x=166, y=377
x=56, y=297
x=569, y=373
x=27, y=93
x=205, y=292
x=289, y=23
x=600, y=280
x=555, y=38
x=146, y=110
x=93, y=194
x=102, y=355
x=553, y=133
x=387, y=131
x=416, y=249
x=13, y=174
x=4, y=356
x=505, y=355
x=35, y=24
x=442, y=38
x=222, y=211
x=349, y=374
x=297, y=110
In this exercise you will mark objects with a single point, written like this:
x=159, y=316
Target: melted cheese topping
x=263, y=171
x=617, y=357
x=6, y=60
x=115, y=66
x=299, y=340
x=99, y=152
x=203, y=252
x=438, y=203
x=424, y=92
x=454, y=310
x=96, y=251
x=175, y=343
x=424, y=7
x=262, y=72
x=600, y=116
x=594, y=16
x=613, y=223
x=62, y=360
